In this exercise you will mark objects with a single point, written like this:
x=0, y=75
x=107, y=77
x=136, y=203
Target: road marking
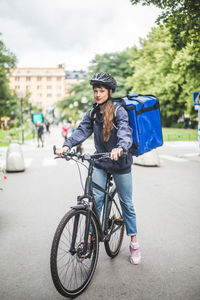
x=173, y=158
x=189, y=154
x=48, y=161
x=193, y=144
x=2, y=163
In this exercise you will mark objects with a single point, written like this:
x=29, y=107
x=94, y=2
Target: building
x=45, y=85
x=71, y=78
x=75, y=74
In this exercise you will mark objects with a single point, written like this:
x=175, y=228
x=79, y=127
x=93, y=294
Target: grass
x=179, y=134
x=14, y=135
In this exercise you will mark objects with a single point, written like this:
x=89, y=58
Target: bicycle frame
x=75, y=247
x=91, y=209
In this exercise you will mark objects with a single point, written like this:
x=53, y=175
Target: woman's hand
x=60, y=151
x=115, y=153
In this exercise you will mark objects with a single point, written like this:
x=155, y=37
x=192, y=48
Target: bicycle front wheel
x=114, y=226
x=71, y=269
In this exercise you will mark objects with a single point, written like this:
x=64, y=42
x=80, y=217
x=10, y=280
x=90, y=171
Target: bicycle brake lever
x=54, y=149
x=124, y=153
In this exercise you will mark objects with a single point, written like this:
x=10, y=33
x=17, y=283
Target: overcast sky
x=45, y=33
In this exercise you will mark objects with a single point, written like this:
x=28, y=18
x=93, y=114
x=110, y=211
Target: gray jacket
x=121, y=137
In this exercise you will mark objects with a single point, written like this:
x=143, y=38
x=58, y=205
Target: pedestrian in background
x=47, y=124
x=40, y=132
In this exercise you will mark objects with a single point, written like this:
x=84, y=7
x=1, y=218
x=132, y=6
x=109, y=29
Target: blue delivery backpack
x=144, y=119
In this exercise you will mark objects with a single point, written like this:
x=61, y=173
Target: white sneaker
x=135, y=257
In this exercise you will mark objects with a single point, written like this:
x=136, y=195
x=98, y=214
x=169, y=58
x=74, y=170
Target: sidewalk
x=49, y=138
x=55, y=138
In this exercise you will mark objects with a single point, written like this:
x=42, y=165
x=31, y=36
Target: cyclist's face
x=101, y=94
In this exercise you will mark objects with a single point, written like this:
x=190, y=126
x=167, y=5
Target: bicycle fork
x=87, y=206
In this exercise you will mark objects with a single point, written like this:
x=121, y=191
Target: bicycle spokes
x=114, y=227
x=72, y=267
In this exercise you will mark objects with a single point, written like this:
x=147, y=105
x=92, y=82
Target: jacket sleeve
x=83, y=131
x=124, y=131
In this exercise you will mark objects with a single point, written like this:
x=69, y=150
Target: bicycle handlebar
x=86, y=156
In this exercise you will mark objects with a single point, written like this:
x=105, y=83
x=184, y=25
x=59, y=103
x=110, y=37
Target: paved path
x=167, y=206
x=176, y=151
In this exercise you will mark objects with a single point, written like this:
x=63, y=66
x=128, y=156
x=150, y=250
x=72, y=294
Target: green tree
x=79, y=101
x=169, y=74
x=117, y=64
x=7, y=100
x=81, y=97
x=181, y=17
x=187, y=65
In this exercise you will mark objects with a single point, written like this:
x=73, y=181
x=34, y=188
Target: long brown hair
x=107, y=110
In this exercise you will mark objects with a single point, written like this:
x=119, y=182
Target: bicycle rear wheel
x=72, y=270
x=114, y=226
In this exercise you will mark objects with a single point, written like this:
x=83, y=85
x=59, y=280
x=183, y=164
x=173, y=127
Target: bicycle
x=75, y=247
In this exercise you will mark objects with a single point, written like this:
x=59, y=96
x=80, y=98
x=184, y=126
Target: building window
x=59, y=95
x=28, y=87
x=28, y=78
x=39, y=95
x=49, y=87
x=17, y=87
x=39, y=78
x=48, y=78
x=49, y=95
x=58, y=78
x=59, y=87
x=17, y=78
x=39, y=87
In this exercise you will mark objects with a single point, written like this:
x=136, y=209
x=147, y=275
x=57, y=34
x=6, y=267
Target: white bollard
x=15, y=159
x=149, y=159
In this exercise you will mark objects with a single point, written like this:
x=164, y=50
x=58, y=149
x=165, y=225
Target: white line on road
x=48, y=161
x=185, y=144
x=173, y=158
x=189, y=154
x=2, y=163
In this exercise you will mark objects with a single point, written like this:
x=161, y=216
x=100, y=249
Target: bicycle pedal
x=118, y=221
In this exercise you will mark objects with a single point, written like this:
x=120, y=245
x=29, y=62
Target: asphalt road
x=167, y=204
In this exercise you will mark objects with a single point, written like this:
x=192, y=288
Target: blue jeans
x=123, y=184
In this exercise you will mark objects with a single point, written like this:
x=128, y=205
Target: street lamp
x=21, y=97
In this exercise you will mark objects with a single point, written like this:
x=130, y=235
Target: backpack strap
x=92, y=114
x=116, y=107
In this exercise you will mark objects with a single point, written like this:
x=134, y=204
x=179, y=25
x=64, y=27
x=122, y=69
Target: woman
x=110, y=136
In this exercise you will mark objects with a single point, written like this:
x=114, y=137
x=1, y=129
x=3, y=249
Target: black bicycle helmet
x=103, y=79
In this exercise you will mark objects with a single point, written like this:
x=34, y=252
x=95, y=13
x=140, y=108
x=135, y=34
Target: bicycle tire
x=71, y=273
x=113, y=244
